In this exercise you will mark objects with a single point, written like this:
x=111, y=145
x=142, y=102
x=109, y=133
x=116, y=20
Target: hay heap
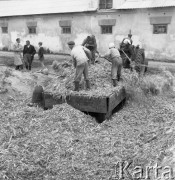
x=64, y=143
x=99, y=76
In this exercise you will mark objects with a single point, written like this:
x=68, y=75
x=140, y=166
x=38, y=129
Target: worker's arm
x=95, y=45
x=84, y=42
x=88, y=53
x=20, y=48
x=106, y=56
x=15, y=48
x=74, y=62
x=73, y=59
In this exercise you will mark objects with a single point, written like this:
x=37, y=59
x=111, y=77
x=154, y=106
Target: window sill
x=105, y=10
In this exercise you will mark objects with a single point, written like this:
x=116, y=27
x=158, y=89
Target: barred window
x=66, y=30
x=160, y=28
x=106, y=29
x=32, y=30
x=4, y=30
x=105, y=4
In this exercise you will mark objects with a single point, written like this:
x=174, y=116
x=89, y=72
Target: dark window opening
x=106, y=29
x=4, y=30
x=32, y=30
x=160, y=28
x=105, y=4
x=66, y=30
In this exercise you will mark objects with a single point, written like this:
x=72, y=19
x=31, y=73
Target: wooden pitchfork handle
x=126, y=55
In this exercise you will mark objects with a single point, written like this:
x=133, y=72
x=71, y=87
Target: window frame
x=64, y=30
x=6, y=30
x=30, y=27
x=108, y=31
x=159, y=25
x=105, y=4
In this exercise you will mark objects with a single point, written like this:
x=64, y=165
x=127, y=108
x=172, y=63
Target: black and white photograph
x=87, y=89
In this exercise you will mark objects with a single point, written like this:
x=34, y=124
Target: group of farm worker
x=28, y=55
x=82, y=54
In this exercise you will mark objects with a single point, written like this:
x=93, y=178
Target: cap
x=71, y=43
x=111, y=45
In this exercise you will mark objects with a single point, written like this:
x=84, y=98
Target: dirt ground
x=65, y=144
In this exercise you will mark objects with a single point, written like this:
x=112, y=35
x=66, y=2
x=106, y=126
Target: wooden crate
x=100, y=107
x=51, y=100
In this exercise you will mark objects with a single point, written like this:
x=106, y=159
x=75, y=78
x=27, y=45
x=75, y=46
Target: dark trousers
x=28, y=61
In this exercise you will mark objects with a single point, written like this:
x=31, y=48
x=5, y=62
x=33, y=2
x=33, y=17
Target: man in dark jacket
x=90, y=43
x=28, y=54
x=41, y=54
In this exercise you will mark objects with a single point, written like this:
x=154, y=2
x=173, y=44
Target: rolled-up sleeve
x=108, y=55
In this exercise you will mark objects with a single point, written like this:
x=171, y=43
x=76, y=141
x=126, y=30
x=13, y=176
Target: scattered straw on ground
x=64, y=143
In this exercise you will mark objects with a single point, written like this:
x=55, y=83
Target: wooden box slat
x=115, y=99
x=88, y=104
x=50, y=100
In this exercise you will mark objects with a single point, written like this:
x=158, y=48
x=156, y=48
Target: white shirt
x=127, y=41
x=78, y=54
x=112, y=53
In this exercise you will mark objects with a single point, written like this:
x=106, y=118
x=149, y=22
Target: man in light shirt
x=18, y=55
x=113, y=56
x=80, y=61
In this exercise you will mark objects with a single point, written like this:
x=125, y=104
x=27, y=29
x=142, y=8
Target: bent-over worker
x=114, y=57
x=91, y=44
x=80, y=62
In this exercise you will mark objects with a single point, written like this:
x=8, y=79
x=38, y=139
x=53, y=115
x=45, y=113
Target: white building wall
x=157, y=46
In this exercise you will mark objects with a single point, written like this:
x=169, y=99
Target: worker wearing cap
x=80, y=62
x=90, y=43
x=114, y=57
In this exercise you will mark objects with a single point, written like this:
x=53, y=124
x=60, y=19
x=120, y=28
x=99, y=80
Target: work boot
x=114, y=82
x=87, y=85
x=76, y=83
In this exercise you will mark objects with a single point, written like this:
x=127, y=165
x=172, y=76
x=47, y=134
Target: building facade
x=152, y=25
